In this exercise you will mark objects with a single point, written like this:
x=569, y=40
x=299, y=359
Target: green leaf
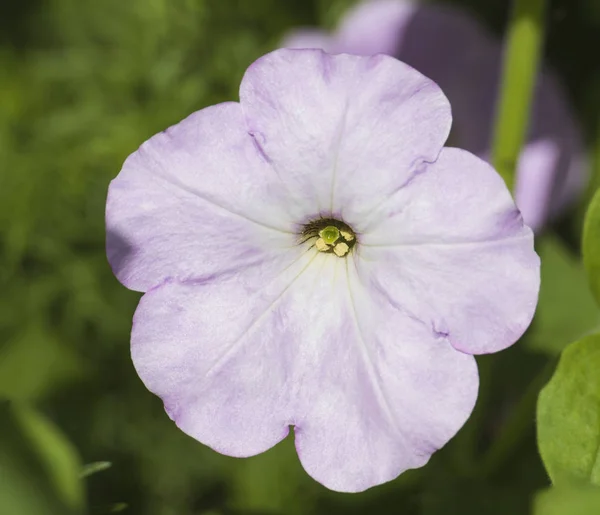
x=93, y=468
x=33, y=362
x=39, y=469
x=591, y=244
x=566, y=309
x=568, y=501
x=568, y=416
x=272, y=481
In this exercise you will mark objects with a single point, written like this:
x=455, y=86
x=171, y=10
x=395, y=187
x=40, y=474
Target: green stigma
x=330, y=234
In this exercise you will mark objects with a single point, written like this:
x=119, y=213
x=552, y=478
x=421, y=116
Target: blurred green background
x=82, y=84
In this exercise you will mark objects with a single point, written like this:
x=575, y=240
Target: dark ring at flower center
x=331, y=236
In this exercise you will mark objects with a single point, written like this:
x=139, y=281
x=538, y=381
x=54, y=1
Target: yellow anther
x=321, y=245
x=341, y=249
x=347, y=236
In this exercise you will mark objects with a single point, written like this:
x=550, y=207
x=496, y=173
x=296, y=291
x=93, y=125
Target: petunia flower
x=314, y=258
x=450, y=47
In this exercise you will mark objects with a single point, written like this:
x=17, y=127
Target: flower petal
x=533, y=187
x=370, y=392
x=550, y=172
x=458, y=198
x=335, y=125
x=376, y=27
x=384, y=393
x=221, y=354
x=193, y=201
x=452, y=250
x=452, y=48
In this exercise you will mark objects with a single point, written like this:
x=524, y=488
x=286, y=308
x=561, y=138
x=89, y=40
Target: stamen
x=341, y=249
x=347, y=235
x=321, y=245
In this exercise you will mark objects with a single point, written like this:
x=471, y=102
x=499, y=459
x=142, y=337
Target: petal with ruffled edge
x=196, y=200
x=370, y=392
x=452, y=250
x=328, y=123
x=220, y=353
x=384, y=397
x=452, y=48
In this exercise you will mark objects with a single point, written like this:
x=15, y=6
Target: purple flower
x=451, y=48
x=312, y=257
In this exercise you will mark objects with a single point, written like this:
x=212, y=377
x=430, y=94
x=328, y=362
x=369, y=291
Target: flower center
x=330, y=236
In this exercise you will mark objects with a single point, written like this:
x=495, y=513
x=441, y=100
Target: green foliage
x=93, y=468
x=566, y=309
x=569, y=416
x=274, y=481
x=568, y=501
x=591, y=244
x=33, y=362
x=39, y=469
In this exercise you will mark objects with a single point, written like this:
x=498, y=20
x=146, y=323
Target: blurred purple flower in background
x=453, y=49
x=314, y=258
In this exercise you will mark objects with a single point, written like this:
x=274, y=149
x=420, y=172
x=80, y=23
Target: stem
x=522, y=52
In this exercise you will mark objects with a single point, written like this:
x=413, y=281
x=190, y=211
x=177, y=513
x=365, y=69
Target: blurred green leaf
x=39, y=469
x=591, y=244
x=568, y=415
x=568, y=501
x=93, y=468
x=566, y=309
x=32, y=362
x=274, y=481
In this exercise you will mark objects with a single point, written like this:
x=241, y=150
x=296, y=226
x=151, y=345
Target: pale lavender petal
x=452, y=250
x=370, y=392
x=195, y=200
x=432, y=38
x=332, y=124
x=222, y=354
x=375, y=27
x=382, y=394
x=551, y=170
x=452, y=48
x=533, y=186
